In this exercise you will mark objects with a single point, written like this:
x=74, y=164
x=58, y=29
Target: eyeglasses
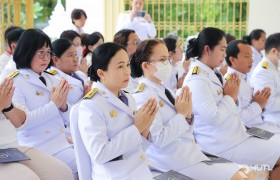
x=43, y=54
x=136, y=42
x=165, y=61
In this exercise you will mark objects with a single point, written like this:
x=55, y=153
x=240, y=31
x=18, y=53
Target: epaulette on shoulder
x=140, y=88
x=265, y=64
x=195, y=70
x=13, y=74
x=227, y=77
x=90, y=94
x=51, y=72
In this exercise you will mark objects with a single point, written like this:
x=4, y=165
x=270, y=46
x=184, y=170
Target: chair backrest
x=82, y=158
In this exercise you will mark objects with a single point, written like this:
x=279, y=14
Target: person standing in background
x=137, y=20
x=79, y=18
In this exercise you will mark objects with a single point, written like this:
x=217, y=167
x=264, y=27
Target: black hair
x=70, y=35
x=91, y=40
x=230, y=38
x=14, y=35
x=29, y=42
x=122, y=36
x=9, y=29
x=59, y=46
x=83, y=38
x=233, y=49
x=77, y=14
x=101, y=58
x=142, y=54
x=273, y=41
x=171, y=42
x=255, y=34
x=209, y=36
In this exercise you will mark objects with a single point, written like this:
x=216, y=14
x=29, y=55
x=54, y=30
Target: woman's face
x=217, y=55
x=137, y=5
x=132, y=43
x=260, y=43
x=117, y=74
x=68, y=61
x=80, y=22
x=41, y=59
x=177, y=56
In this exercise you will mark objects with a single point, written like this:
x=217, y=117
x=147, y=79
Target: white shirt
x=217, y=126
x=173, y=146
x=257, y=57
x=44, y=126
x=266, y=74
x=4, y=59
x=132, y=84
x=78, y=30
x=172, y=81
x=8, y=133
x=9, y=68
x=143, y=29
x=107, y=129
x=250, y=112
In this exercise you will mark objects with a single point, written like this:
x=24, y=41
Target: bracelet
x=8, y=109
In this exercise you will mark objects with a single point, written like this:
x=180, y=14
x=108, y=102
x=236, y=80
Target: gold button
x=142, y=157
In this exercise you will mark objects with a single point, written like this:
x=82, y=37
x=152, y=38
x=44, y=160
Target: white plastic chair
x=82, y=158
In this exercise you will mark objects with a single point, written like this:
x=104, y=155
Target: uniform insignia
x=227, y=77
x=161, y=103
x=142, y=157
x=219, y=92
x=26, y=76
x=40, y=93
x=195, y=70
x=90, y=94
x=102, y=92
x=51, y=72
x=265, y=65
x=140, y=87
x=193, y=141
x=113, y=113
x=13, y=74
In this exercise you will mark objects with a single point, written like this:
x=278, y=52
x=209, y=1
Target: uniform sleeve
x=38, y=116
x=163, y=134
x=93, y=131
x=152, y=32
x=250, y=113
x=266, y=79
x=205, y=105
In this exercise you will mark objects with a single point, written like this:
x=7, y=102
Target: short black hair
x=273, y=41
x=122, y=36
x=70, y=35
x=29, y=42
x=209, y=36
x=101, y=58
x=9, y=29
x=170, y=42
x=14, y=35
x=59, y=46
x=255, y=34
x=233, y=49
x=77, y=14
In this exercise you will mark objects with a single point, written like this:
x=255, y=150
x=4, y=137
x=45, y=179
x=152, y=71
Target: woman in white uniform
x=65, y=65
x=129, y=40
x=173, y=146
x=217, y=126
x=111, y=129
x=43, y=98
x=256, y=39
x=33, y=169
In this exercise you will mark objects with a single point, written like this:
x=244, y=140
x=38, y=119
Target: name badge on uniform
x=40, y=93
x=113, y=113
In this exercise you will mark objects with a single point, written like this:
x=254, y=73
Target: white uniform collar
x=241, y=75
x=33, y=78
x=255, y=51
x=112, y=98
x=271, y=65
x=204, y=69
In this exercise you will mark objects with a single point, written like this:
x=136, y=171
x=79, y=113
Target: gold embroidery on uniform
x=195, y=70
x=161, y=103
x=140, y=87
x=39, y=93
x=113, y=113
x=90, y=94
x=265, y=65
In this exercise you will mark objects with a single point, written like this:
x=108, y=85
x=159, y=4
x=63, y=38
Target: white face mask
x=88, y=57
x=79, y=50
x=164, y=71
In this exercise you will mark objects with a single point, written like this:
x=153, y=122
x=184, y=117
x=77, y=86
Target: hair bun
x=192, y=48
